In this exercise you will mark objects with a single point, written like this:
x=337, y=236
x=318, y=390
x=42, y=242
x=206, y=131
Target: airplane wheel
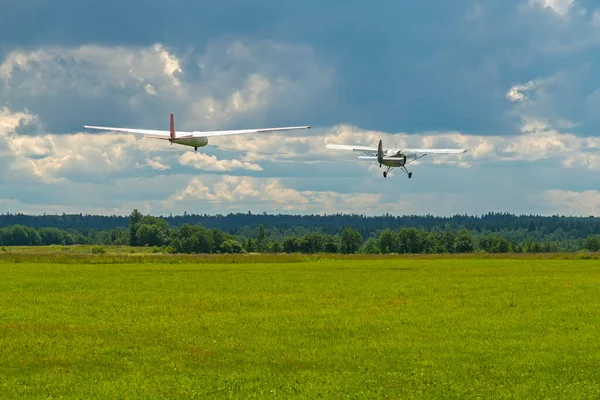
x=384, y=174
x=195, y=149
x=409, y=175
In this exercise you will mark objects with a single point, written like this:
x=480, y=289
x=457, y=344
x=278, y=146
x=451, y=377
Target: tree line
x=282, y=225
x=146, y=230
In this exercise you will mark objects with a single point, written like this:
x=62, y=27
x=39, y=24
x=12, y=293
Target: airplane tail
x=172, y=126
x=380, y=149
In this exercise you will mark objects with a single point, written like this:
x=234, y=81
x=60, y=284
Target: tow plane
x=394, y=157
x=193, y=139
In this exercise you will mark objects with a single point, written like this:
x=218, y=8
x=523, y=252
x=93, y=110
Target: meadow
x=128, y=323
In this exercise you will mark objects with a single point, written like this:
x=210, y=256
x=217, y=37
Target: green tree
x=371, y=246
x=592, y=243
x=50, y=236
x=217, y=237
x=332, y=244
x=135, y=219
x=275, y=247
x=464, y=241
x=387, y=242
x=312, y=243
x=194, y=239
x=290, y=244
x=409, y=241
x=261, y=238
x=232, y=246
x=19, y=235
x=250, y=246
x=151, y=235
x=448, y=240
x=351, y=241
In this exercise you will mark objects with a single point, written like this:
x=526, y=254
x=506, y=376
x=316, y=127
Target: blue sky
x=515, y=82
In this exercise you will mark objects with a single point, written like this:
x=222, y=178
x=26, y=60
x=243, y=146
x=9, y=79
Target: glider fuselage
x=191, y=141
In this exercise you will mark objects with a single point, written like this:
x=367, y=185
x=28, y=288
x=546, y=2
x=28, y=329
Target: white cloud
x=568, y=202
x=240, y=83
x=240, y=80
x=157, y=164
x=560, y=7
x=517, y=93
x=234, y=194
x=85, y=155
x=9, y=120
x=105, y=157
x=211, y=163
x=271, y=193
x=538, y=141
x=90, y=70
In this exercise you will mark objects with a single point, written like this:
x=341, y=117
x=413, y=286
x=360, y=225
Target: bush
x=170, y=250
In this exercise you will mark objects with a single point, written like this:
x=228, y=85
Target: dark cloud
x=399, y=65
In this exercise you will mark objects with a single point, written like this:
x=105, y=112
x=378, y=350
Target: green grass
x=117, y=325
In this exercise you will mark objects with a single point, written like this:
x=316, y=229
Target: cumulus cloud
x=156, y=163
x=79, y=156
x=211, y=163
x=75, y=161
x=538, y=141
x=85, y=157
x=231, y=194
x=230, y=83
x=89, y=64
x=567, y=202
x=272, y=193
x=240, y=81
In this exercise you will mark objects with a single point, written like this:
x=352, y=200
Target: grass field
x=120, y=325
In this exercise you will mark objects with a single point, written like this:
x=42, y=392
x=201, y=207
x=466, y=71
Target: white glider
x=393, y=158
x=193, y=139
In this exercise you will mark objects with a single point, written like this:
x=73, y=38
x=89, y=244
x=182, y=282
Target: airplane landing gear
x=407, y=172
x=385, y=174
x=195, y=149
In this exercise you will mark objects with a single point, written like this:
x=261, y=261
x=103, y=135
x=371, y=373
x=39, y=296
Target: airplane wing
x=166, y=134
x=434, y=151
x=241, y=131
x=368, y=149
x=351, y=147
x=147, y=132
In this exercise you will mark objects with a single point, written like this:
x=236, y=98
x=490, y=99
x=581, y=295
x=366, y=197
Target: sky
x=515, y=82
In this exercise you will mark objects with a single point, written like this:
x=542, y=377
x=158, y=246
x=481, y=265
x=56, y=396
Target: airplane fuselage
x=194, y=142
x=392, y=158
x=393, y=161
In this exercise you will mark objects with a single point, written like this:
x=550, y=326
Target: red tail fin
x=172, y=127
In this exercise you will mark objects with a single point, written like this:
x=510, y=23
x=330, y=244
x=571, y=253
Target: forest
x=337, y=233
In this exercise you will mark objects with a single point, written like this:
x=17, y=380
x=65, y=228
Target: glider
x=393, y=158
x=193, y=139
